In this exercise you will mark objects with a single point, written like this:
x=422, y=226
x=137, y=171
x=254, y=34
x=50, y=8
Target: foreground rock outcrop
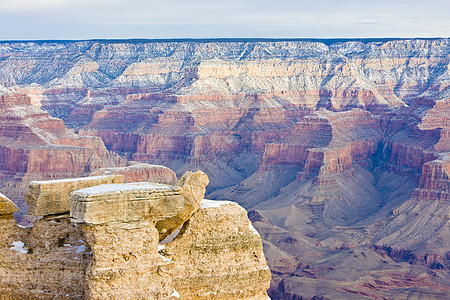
x=220, y=235
x=52, y=197
x=91, y=254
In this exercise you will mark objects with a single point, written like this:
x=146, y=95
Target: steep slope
x=340, y=148
x=209, y=98
x=34, y=145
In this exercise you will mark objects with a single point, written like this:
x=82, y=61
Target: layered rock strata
x=216, y=255
x=340, y=147
x=140, y=172
x=35, y=146
x=196, y=100
x=33, y=143
x=52, y=197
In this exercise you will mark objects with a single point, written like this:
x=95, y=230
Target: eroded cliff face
x=340, y=149
x=196, y=101
x=108, y=245
x=34, y=145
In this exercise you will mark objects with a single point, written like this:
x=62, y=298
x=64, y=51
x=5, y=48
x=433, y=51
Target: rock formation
x=168, y=206
x=140, y=172
x=339, y=148
x=7, y=206
x=101, y=253
x=52, y=197
x=219, y=235
x=34, y=145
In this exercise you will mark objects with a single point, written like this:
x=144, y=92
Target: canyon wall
x=34, y=145
x=339, y=148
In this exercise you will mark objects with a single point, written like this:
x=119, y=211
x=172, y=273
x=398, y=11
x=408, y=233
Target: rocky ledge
x=114, y=244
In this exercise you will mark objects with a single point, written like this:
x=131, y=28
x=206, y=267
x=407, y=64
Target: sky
x=162, y=19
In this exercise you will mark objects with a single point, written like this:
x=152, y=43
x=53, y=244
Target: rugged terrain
x=339, y=149
x=99, y=238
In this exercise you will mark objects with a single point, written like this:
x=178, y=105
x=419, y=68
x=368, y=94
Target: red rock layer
x=434, y=181
x=139, y=172
x=326, y=143
x=34, y=145
x=152, y=129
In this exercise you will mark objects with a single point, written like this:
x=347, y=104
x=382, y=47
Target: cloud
x=26, y=5
x=71, y=19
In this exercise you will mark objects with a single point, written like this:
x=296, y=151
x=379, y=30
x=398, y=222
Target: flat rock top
x=117, y=188
x=67, y=180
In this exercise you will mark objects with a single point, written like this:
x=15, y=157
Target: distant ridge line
x=327, y=41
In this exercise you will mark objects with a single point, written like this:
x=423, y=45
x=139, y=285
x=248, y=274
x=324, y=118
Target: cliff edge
x=131, y=241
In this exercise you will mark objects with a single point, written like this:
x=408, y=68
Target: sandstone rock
x=126, y=263
x=125, y=203
x=233, y=266
x=216, y=255
x=7, y=206
x=167, y=206
x=52, y=197
x=53, y=265
x=137, y=172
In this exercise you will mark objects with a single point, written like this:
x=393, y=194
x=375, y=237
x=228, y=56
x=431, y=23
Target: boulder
x=137, y=172
x=52, y=196
x=168, y=206
x=233, y=265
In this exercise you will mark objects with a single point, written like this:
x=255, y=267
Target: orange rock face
x=34, y=145
x=338, y=146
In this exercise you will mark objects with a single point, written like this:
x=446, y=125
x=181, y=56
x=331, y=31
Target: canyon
x=338, y=149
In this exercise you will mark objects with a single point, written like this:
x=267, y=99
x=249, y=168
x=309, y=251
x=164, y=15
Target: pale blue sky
x=103, y=19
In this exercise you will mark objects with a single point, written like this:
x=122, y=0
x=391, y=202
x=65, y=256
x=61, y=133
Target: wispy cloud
x=27, y=5
x=195, y=18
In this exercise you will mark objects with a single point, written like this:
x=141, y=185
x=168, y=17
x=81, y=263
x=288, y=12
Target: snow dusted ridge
x=111, y=188
x=214, y=203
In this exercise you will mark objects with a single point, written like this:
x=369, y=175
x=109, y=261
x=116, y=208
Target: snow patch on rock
x=19, y=246
x=213, y=203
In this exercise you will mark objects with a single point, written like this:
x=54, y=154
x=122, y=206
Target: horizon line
x=211, y=40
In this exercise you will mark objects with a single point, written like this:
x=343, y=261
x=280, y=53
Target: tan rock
x=7, y=206
x=193, y=187
x=125, y=202
x=52, y=197
x=216, y=255
x=137, y=172
x=228, y=252
x=126, y=263
x=168, y=206
x=49, y=261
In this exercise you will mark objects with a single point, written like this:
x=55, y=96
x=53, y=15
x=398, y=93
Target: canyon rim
x=338, y=150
